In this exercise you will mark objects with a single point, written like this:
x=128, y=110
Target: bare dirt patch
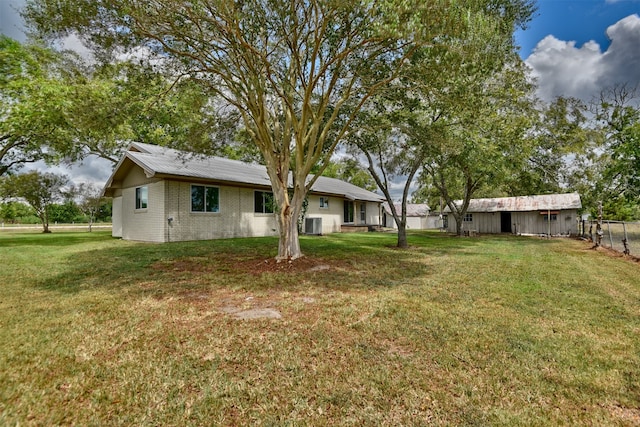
x=615, y=254
x=192, y=265
x=300, y=265
x=256, y=266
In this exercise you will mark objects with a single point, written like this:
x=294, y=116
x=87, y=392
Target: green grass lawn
x=454, y=331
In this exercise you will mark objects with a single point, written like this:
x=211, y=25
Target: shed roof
x=166, y=163
x=413, y=209
x=524, y=203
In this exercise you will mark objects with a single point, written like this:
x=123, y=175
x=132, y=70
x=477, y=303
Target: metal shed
x=555, y=214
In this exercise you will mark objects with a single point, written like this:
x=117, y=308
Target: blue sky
x=574, y=20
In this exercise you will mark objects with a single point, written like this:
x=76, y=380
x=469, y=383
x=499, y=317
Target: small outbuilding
x=418, y=217
x=554, y=214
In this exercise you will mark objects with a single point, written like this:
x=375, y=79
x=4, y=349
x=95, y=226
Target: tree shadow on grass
x=335, y=262
x=235, y=264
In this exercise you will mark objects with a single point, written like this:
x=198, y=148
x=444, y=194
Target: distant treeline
x=14, y=212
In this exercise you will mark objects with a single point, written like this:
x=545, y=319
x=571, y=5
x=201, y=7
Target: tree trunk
x=289, y=243
x=287, y=213
x=45, y=223
x=458, y=219
x=402, y=236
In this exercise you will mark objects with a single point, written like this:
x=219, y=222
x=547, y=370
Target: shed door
x=505, y=222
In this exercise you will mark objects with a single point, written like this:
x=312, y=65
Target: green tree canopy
x=33, y=99
x=618, y=113
x=454, y=118
x=296, y=72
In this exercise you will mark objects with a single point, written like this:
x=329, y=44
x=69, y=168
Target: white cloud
x=92, y=170
x=561, y=68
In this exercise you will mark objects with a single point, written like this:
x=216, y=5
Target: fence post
x=599, y=231
x=625, y=240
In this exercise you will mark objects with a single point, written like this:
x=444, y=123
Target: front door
x=505, y=222
x=348, y=212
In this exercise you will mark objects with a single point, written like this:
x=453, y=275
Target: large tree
x=560, y=141
x=297, y=72
x=421, y=123
x=111, y=104
x=39, y=190
x=33, y=96
x=57, y=107
x=618, y=114
x=487, y=143
x=350, y=170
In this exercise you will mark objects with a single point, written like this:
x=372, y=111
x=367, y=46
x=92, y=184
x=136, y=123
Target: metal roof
x=166, y=162
x=524, y=203
x=413, y=209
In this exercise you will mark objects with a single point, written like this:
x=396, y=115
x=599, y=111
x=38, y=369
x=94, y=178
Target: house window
x=205, y=199
x=142, y=197
x=263, y=202
x=468, y=217
x=348, y=211
x=554, y=217
x=363, y=212
x=324, y=202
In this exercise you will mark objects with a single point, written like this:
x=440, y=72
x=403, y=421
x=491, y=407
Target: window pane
x=212, y=199
x=145, y=192
x=141, y=197
x=263, y=202
x=268, y=202
x=197, y=198
x=258, y=202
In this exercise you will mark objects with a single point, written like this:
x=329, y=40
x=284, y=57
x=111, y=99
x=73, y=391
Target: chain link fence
x=620, y=236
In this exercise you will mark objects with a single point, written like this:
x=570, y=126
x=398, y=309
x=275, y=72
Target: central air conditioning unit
x=313, y=226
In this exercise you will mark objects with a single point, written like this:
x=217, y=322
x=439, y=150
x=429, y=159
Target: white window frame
x=324, y=202
x=468, y=217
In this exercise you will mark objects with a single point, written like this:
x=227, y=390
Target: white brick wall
x=331, y=216
x=144, y=224
x=235, y=218
x=116, y=217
